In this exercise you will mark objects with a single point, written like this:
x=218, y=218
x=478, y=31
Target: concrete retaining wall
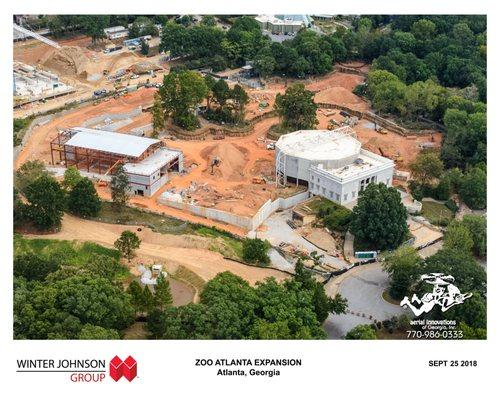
x=249, y=223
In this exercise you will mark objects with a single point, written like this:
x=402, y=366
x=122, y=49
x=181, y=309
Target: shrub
x=450, y=203
x=255, y=251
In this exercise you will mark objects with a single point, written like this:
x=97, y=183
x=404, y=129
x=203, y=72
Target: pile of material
x=233, y=160
x=144, y=68
x=69, y=60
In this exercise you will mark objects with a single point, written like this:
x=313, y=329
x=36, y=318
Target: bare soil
x=170, y=250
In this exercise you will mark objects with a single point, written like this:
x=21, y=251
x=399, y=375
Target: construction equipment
x=216, y=161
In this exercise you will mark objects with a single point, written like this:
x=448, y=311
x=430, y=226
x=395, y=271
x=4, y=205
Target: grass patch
x=318, y=203
x=133, y=216
x=436, y=213
x=66, y=252
x=226, y=244
x=20, y=127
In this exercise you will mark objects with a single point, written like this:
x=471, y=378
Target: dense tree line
x=40, y=200
x=230, y=308
x=53, y=300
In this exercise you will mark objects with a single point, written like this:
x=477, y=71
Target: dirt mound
x=342, y=96
x=68, y=61
x=144, y=67
x=233, y=160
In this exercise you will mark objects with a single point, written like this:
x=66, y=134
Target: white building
x=116, y=32
x=331, y=163
x=146, y=161
x=283, y=23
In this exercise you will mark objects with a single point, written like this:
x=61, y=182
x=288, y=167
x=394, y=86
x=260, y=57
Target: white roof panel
x=111, y=142
x=153, y=163
x=319, y=144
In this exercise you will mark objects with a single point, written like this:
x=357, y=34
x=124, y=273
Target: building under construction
x=146, y=161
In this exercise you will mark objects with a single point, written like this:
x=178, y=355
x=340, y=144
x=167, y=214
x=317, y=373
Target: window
x=331, y=194
x=337, y=196
x=324, y=190
x=373, y=179
x=387, y=181
x=345, y=197
x=353, y=194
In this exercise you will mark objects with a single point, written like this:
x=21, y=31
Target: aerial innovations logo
x=444, y=295
x=82, y=370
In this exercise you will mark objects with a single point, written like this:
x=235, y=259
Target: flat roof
x=114, y=29
x=319, y=144
x=153, y=163
x=365, y=162
x=111, y=142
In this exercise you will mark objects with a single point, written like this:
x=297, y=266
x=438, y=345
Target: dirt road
x=171, y=250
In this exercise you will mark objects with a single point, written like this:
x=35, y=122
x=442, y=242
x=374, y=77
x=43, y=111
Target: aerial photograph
x=249, y=177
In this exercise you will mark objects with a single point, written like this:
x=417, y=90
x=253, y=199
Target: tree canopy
x=379, y=218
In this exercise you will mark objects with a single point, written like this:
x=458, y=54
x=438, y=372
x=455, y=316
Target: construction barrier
x=249, y=223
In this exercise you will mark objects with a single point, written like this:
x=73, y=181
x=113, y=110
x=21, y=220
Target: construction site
x=74, y=69
x=225, y=171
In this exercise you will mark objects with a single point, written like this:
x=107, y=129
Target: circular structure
x=297, y=151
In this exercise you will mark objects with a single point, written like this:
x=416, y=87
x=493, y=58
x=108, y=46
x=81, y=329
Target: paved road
x=363, y=287
x=276, y=230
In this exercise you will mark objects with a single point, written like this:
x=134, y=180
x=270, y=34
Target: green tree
x=28, y=173
x=476, y=224
x=144, y=48
x=120, y=187
x=33, y=267
x=469, y=275
x=379, y=218
x=426, y=168
x=94, y=26
x=94, y=332
x=208, y=20
x=71, y=177
x=148, y=299
x=240, y=99
x=95, y=301
x=264, y=64
x=362, y=332
x=83, y=199
x=323, y=305
x=127, y=243
x=104, y=266
x=136, y=297
x=181, y=93
x=296, y=108
x=163, y=295
x=471, y=333
x=158, y=115
x=403, y=266
x=473, y=188
x=458, y=238
x=255, y=251
x=46, y=203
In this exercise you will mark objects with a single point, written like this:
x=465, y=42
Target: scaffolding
x=280, y=169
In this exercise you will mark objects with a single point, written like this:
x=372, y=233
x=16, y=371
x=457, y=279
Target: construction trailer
x=146, y=161
x=331, y=164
